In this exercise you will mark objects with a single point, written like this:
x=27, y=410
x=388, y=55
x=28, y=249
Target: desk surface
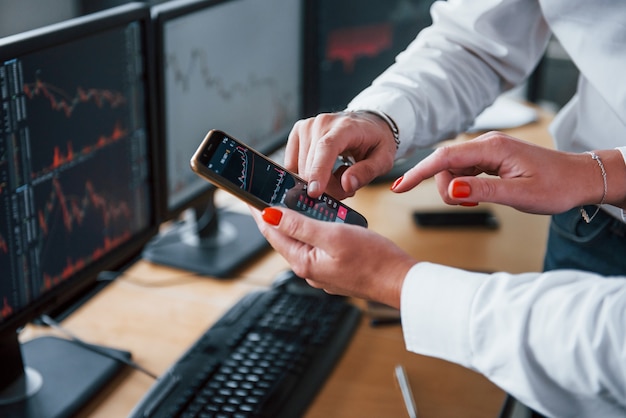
x=157, y=312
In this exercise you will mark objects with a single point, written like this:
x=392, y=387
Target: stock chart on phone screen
x=272, y=184
x=251, y=173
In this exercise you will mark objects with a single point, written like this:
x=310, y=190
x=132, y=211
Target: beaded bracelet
x=583, y=212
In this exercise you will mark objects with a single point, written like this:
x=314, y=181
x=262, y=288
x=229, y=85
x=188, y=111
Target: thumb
x=362, y=173
x=298, y=227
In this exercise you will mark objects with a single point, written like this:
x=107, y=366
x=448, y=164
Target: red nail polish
x=272, y=216
x=461, y=189
x=468, y=204
x=395, y=183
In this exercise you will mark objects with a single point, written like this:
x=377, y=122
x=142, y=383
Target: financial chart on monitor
x=77, y=193
x=72, y=161
x=353, y=41
x=229, y=68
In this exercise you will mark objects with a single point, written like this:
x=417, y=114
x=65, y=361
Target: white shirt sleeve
x=471, y=53
x=556, y=341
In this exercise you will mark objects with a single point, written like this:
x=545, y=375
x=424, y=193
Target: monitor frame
x=208, y=225
x=56, y=34
x=160, y=15
x=85, y=280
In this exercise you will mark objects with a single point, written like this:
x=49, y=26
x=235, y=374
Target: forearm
x=553, y=340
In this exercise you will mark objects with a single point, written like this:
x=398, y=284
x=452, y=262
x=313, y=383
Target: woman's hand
x=525, y=176
x=315, y=144
x=339, y=258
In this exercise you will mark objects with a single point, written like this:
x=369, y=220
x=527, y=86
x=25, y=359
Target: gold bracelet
x=583, y=212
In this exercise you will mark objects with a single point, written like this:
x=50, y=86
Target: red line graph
x=73, y=208
x=72, y=266
x=279, y=182
x=73, y=211
x=64, y=102
x=3, y=245
x=348, y=44
x=6, y=310
x=59, y=159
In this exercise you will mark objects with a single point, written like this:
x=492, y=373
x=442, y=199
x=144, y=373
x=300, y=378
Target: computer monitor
x=233, y=65
x=350, y=42
x=77, y=192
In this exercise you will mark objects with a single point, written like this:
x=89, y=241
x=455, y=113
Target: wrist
x=610, y=168
x=382, y=116
x=396, y=283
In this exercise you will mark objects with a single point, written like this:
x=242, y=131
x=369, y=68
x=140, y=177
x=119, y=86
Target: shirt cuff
x=436, y=305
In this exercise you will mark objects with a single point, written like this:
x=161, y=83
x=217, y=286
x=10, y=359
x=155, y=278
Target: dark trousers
x=599, y=246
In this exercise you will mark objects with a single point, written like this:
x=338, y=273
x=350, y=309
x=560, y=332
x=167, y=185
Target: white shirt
x=556, y=341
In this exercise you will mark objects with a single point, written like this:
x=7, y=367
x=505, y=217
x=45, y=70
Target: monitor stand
x=57, y=376
x=210, y=242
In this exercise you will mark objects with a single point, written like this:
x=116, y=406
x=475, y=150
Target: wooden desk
x=157, y=312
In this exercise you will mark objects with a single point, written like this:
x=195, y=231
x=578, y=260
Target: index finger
x=293, y=147
x=311, y=150
x=468, y=158
x=321, y=161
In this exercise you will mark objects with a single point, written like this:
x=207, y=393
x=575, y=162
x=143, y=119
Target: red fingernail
x=272, y=216
x=395, y=183
x=461, y=189
x=468, y=204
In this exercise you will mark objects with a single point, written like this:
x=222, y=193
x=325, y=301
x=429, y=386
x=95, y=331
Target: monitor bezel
x=57, y=34
x=161, y=14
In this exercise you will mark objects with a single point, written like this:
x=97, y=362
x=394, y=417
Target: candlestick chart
x=70, y=176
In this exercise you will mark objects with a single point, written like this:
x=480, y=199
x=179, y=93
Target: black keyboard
x=266, y=357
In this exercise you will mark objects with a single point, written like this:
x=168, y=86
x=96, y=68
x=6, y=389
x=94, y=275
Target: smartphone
x=251, y=176
x=483, y=218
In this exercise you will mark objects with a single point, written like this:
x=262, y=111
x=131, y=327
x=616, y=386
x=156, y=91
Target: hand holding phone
x=251, y=176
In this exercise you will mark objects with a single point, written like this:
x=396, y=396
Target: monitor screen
x=233, y=65
x=350, y=42
x=76, y=176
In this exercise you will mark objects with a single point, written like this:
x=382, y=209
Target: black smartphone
x=251, y=176
x=482, y=218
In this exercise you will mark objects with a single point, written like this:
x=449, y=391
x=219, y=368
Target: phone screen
x=257, y=175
